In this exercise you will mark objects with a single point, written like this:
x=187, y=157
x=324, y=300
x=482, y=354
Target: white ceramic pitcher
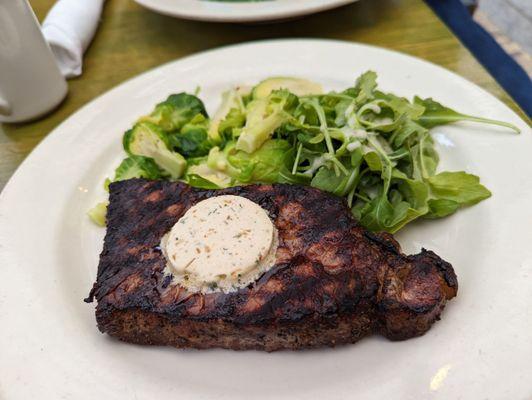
x=30, y=81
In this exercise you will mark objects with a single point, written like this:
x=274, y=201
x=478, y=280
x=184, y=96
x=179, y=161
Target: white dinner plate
x=240, y=11
x=50, y=347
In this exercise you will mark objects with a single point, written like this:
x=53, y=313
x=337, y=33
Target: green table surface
x=131, y=40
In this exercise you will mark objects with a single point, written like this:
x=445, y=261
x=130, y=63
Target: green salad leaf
x=178, y=109
x=201, y=182
x=192, y=140
x=263, y=117
x=368, y=146
x=460, y=187
x=262, y=166
x=98, y=213
x=137, y=167
x=231, y=126
x=439, y=208
x=436, y=114
x=364, y=87
x=231, y=114
x=149, y=140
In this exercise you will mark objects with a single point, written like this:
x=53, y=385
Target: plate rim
x=240, y=12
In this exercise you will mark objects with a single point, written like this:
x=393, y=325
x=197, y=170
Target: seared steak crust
x=334, y=282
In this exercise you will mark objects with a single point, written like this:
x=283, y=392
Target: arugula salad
x=371, y=147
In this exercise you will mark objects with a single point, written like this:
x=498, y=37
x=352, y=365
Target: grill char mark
x=334, y=282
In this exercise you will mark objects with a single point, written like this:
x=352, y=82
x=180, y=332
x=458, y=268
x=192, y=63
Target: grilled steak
x=334, y=282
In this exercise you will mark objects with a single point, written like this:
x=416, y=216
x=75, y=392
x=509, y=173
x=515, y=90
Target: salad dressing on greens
x=371, y=147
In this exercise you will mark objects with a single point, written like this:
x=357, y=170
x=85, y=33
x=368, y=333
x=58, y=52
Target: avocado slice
x=297, y=86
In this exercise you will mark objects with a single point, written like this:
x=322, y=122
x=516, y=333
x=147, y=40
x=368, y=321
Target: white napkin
x=69, y=28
